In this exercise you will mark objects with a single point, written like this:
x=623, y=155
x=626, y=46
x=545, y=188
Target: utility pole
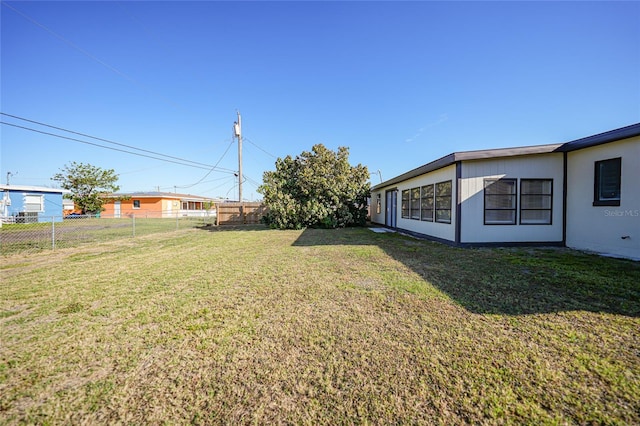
x=237, y=129
x=9, y=174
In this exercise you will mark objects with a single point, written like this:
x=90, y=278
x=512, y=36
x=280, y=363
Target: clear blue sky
x=399, y=83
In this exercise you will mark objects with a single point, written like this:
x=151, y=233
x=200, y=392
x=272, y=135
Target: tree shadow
x=510, y=281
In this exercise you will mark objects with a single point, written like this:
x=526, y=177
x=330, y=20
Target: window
x=33, y=203
x=405, y=203
x=427, y=203
x=500, y=201
x=535, y=201
x=136, y=204
x=415, y=203
x=443, y=202
x=378, y=204
x=607, y=182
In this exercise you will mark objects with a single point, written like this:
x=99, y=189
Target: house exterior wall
x=50, y=209
x=601, y=228
x=154, y=207
x=444, y=231
x=378, y=205
x=149, y=207
x=170, y=208
x=473, y=175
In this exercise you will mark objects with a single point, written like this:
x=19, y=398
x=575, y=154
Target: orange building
x=157, y=205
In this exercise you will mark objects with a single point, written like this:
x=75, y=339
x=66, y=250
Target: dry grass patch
x=316, y=326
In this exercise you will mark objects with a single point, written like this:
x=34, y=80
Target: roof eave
x=456, y=157
x=602, y=138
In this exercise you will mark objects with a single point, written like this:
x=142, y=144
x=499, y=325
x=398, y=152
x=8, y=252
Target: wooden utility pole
x=238, y=131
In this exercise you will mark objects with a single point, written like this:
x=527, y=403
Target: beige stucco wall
x=473, y=229
x=170, y=207
x=601, y=228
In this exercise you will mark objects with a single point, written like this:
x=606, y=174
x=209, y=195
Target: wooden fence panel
x=240, y=213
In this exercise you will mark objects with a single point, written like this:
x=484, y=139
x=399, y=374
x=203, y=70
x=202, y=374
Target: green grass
x=248, y=325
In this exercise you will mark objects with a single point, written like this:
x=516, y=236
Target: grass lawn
x=318, y=327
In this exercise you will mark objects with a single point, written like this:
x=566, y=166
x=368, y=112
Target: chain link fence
x=75, y=230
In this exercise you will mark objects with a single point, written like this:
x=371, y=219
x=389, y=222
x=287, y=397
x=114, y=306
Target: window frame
x=514, y=196
x=598, y=200
x=33, y=203
x=134, y=202
x=438, y=200
x=432, y=202
x=522, y=203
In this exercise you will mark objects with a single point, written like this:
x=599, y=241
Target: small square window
x=136, y=204
x=606, y=191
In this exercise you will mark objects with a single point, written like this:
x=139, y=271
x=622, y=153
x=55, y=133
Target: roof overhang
x=164, y=195
x=485, y=154
x=488, y=154
x=602, y=138
x=29, y=188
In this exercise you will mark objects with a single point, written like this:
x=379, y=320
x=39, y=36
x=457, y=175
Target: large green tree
x=317, y=189
x=88, y=185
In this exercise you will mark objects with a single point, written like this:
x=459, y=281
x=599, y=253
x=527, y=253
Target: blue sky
x=399, y=83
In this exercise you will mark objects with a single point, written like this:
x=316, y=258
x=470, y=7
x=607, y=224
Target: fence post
x=133, y=219
x=53, y=232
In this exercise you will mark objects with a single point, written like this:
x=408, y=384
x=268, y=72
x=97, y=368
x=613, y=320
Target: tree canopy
x=316, y=189
x=88, y=185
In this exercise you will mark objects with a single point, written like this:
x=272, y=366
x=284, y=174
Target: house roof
x=29, y=188
x=154, y=194
x=469, y=156
x=599, y=139
x=602, y=138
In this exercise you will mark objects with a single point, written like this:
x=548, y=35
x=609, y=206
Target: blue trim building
x=30, y=204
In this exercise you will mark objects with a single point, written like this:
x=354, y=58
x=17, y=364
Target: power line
x=104, y=140
x=261, y=149
x=226, y=182
x=252, y=181
x=212, y=169
x=195, y=165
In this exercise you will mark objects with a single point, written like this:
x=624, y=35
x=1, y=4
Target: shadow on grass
x=511, y=281
x=223, y=228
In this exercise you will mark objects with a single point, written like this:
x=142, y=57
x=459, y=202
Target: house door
x=391, y=205
x=116, y=209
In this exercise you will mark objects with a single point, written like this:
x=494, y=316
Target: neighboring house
x=157, y=204
x=583, y=194
x=30, y=204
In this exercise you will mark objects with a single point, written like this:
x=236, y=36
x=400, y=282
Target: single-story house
x=583, y=194
x=30, y=204
x=157, y=205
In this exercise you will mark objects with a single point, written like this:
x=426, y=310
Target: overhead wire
x=260, y=148
x=103, y=140
x=182, y=162
x=167, y=158
x=226, y=182
x=210, y=171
